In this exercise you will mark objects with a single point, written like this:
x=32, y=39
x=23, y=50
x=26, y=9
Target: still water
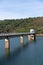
x=30, y=54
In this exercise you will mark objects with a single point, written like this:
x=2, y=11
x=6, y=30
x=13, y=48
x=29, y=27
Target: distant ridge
x=21, y=25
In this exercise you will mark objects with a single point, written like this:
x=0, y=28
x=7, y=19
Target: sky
x=16, y=9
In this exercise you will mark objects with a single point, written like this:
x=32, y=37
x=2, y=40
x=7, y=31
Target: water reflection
x=7, y=52
x=20, y=54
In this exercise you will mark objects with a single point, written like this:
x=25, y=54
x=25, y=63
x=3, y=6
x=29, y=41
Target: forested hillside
x=22, y=25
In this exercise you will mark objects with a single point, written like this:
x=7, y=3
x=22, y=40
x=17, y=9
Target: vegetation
x=22, y=25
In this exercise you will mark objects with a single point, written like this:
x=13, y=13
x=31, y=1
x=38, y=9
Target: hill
x=22, y=25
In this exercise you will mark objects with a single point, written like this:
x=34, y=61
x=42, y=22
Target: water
x=30, y=54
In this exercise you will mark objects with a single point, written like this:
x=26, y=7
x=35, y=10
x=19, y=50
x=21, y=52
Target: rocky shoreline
x=39, y=34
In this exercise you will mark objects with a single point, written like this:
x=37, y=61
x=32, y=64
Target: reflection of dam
x=30, y=35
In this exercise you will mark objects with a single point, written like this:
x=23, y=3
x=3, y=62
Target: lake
x=30, y=54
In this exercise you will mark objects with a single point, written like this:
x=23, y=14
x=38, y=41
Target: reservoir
x=30, y=54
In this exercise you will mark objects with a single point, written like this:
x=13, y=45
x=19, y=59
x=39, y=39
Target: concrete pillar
x=7, y=43
x=22, y=40
x=28, y=37
x=7, y=46
x=31, y=37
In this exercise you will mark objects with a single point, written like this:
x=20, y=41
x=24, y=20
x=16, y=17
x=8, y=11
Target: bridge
x=2, y=35
x=30, y=35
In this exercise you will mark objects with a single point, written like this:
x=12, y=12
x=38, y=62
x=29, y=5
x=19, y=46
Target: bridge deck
x=14, y=34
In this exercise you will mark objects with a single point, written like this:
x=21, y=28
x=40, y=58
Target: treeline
x=21, y=25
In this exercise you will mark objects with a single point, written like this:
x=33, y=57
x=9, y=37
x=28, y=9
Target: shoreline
x=39, y=34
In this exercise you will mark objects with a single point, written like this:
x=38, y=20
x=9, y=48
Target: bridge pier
x=22, y=40
x=7, y=43
x=7, y=46
x=31, y=37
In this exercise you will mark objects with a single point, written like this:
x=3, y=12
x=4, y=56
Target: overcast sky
x=13, y=9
